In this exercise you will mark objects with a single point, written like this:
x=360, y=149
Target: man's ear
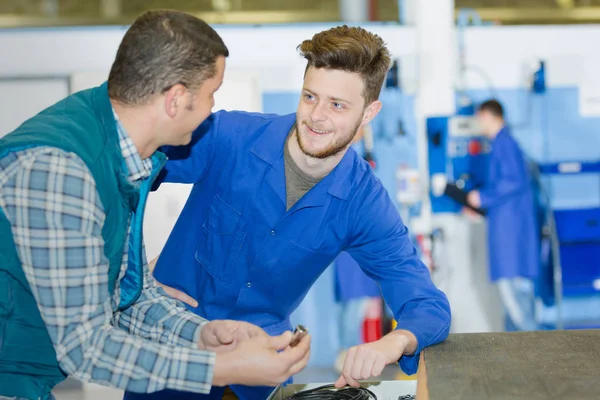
x=371, y=112
x=174, y=100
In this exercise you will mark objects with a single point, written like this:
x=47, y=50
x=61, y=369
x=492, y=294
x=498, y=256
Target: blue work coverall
x=238, y=251
x=513, y=231
x=508, y=197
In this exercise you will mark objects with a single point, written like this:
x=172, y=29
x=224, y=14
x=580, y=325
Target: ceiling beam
x=540, y=15
x=232, y=17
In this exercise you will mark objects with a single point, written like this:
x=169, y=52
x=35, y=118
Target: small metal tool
x=299, y=333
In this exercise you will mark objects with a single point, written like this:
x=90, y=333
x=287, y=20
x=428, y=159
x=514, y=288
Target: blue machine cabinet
x=579, y=239
x=457, y=150
x=576, y=251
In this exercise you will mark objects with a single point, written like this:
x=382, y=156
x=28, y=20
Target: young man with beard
x=277, y=198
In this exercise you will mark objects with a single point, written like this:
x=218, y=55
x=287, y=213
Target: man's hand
x=261, y=360
x=471, y=214
x=369, y=359
x=174, y=293
x=222, y=336
x=474, y=199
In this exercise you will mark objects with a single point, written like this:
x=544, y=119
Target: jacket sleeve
x=513, y=176
x=382, y=247
x=158, y=317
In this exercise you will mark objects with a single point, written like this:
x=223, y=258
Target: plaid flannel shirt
x=56, y=216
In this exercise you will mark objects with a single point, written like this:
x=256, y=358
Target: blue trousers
x=216, y=393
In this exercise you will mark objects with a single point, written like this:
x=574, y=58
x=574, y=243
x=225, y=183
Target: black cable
x=486, y=77
x=329, y=392
x=528, y=114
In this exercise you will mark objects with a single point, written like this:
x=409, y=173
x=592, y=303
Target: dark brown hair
x=160, y=49
x=492, y=106
x=350, y=49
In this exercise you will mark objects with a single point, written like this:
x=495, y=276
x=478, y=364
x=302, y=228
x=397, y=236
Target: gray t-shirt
x=297, y=183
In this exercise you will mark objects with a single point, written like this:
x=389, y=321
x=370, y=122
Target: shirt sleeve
x=381, y=245
x=159, y=317
x=57, y=217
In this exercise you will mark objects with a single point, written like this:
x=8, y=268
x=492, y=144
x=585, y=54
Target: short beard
x=333, y=148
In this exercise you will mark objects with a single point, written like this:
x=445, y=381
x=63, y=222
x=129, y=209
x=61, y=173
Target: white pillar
x=436, y=47
x=436, y=44
x=354, y=10
x=407, y=12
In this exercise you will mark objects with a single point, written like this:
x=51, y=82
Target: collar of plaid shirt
x=136, y=167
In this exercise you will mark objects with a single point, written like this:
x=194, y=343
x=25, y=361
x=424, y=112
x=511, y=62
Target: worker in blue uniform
x=513, y=234
x=277, y=198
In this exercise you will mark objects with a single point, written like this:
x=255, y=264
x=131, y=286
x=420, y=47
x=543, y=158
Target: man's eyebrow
x=336, y=99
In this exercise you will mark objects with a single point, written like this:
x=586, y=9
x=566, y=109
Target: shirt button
x=272, y=233
x=248, y=284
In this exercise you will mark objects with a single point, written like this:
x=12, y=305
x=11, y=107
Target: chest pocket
x=220, y=241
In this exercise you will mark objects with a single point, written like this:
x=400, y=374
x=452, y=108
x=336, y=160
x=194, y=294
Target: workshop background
x=539, y=58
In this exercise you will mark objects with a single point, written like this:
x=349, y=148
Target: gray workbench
x=544, y=365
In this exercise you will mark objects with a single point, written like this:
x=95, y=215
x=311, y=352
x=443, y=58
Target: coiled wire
x=329, y=392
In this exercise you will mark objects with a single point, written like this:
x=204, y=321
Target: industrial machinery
x=568, y=290
x=457, y=153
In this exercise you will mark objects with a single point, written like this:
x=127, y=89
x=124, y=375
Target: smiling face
x=331, y=111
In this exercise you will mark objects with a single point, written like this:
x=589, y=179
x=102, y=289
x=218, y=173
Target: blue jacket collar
x=503, y=132
x=269, y=145
x=269, y=148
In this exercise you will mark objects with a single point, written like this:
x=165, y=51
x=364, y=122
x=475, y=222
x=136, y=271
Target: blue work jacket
x=513, y=232
x=350, y=281
x=238, y=251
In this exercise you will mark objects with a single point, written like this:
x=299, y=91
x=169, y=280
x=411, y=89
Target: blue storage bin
x=581, y=225
x=580, y=267
x=579, y=238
